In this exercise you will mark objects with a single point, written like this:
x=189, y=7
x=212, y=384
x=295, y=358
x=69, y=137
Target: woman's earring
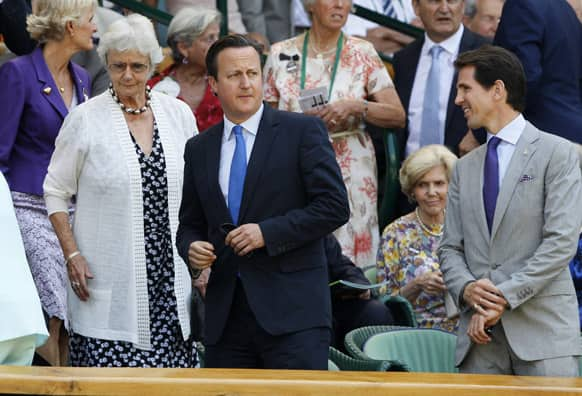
x=184, y=60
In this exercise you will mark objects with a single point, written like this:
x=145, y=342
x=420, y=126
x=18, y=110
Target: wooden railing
x=176, y=382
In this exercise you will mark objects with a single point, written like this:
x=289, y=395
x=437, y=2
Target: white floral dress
x=359, y=75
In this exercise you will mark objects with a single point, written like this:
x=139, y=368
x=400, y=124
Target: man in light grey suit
x=512, y=224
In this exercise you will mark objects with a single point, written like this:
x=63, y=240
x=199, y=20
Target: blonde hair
x=132, y=33
x=51, y=17
x=421, y=162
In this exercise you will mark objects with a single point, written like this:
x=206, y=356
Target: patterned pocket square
x=526, y=178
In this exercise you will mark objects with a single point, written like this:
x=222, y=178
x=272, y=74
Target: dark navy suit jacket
x=546, y=36
x=32, y=112
x=405, y=64
x=295, y=192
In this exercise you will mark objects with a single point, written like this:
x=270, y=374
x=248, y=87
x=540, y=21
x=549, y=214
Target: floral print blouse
x=407, y=251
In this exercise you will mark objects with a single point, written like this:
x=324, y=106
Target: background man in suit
x=511, y=227
x=426, y=87
x=546, y=36
x=482, y=16
x=427, y=90
x=267, y=299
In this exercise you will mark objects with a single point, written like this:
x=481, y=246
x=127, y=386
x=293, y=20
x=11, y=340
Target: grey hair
x=470, y=8
x=188, y=24
x=132, y=33
x=421, y=162
x=51, y=17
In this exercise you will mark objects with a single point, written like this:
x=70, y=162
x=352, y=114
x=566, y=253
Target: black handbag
x=197, y=316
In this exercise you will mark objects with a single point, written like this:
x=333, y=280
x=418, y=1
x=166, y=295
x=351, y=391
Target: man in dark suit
x=434, y=118
x=267, y=299
x=546, y=36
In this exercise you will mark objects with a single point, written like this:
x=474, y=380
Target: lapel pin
x=47, y=90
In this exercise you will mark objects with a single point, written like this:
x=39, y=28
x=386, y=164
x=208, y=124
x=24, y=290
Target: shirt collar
x=451, y=45
x=251, y=125
x=511, y=132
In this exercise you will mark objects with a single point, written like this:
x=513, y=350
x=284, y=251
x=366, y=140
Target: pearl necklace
x=131, y=110
x=425, y=228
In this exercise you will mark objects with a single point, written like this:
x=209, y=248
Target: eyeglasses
x=135, y=67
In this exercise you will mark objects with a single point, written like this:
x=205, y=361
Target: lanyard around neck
x=338, y=51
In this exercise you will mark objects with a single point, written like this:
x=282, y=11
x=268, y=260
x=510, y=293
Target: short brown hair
x=494, y=63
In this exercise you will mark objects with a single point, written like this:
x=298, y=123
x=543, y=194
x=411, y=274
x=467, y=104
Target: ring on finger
x=75, y=284
x=333, y=122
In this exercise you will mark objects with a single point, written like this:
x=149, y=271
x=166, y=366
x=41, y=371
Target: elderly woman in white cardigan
x=120, y=155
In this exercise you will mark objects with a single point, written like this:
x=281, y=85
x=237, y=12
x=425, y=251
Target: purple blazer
x=31, y=113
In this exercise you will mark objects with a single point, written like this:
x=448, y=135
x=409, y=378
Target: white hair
x=51, y=17
x=188, y=24
x=132, y=33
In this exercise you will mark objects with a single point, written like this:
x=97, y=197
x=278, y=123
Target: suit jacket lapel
x=407, y=74
x=47, y=85
x=524, y=150
x=212, y=170
x=476, y=189
x=261, y=149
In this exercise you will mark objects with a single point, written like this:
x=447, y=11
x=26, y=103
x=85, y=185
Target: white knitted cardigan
x=95, y=160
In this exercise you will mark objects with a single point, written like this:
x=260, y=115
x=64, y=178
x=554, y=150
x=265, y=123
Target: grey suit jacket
x=534, y=236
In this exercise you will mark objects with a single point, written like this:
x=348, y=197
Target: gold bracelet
x=71, y=256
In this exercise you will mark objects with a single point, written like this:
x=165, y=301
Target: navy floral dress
x=169, y=349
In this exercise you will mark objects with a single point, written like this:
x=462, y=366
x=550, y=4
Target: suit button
x=495, y=265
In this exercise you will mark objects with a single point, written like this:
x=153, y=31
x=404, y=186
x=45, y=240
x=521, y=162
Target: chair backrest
x=346, y=363
x=355, y=339
x=331, y=366
x=421, y=350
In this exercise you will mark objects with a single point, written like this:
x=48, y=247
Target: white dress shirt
x=509, y=136
x=447, y=69
x=250, y=129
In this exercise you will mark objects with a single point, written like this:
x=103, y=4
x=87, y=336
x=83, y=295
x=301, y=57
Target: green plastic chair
x=355, y=339
x=421, y=350
x=400, y=307
x=341, y=361
x=331, y=366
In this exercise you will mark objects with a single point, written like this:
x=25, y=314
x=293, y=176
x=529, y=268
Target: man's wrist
x=462, y=301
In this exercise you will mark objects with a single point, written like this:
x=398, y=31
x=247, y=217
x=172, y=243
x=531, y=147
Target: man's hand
x=201, y=255
x=476, y=330
x=245, y=239
x=482, y=295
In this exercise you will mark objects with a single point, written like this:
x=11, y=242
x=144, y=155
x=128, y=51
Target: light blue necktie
x=430, y=128
x=238, y=171
x=388, y=8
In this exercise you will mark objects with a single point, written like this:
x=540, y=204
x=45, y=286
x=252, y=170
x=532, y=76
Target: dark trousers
x=245, y=344
x=354, y=313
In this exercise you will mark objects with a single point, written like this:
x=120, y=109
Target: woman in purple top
x=37, y=92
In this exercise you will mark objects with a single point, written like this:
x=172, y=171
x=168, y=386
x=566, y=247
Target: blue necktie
x=491, y=180
x=238, y=171
x=388, y=8
x=430, y=127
